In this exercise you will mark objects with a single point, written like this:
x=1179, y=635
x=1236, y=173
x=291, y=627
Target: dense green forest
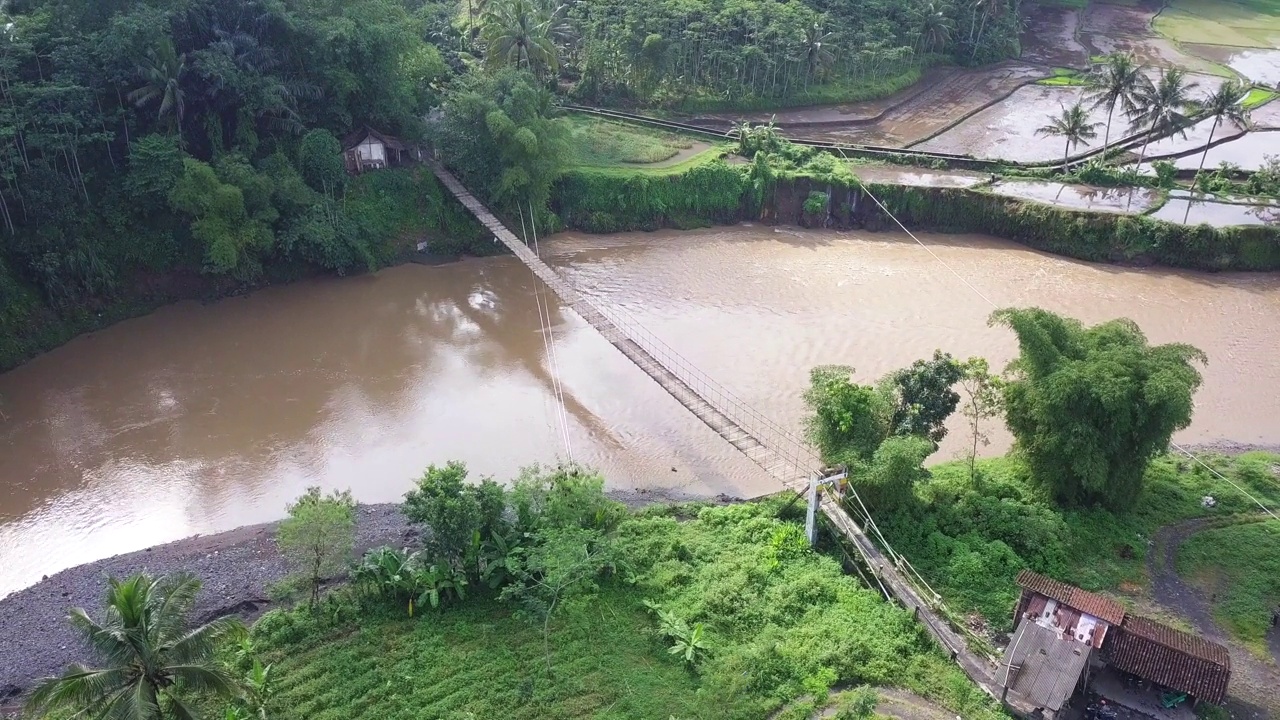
x=159, y=148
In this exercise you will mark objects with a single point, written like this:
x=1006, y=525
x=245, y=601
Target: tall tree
x=518, y=33
x=925, y=398
x=847, y=421
x=1224, y=103
x=318, y=536
x=162, y=72
x=1116, y=84
x=147, y=655
x=983, y=400
x=1090, y=407
x=1073, y=125
x=1161, y=107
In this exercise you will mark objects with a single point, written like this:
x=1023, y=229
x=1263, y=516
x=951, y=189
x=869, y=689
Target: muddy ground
x=1255, y=684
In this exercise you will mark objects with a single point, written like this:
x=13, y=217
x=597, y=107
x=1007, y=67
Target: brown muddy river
x=198, y=418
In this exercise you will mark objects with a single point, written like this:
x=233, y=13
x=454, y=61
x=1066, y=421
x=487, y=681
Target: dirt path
x=906, y=705
x=1254, y=683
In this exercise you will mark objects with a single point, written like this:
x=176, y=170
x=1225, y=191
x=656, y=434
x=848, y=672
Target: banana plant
x=498, y=561
x=438, y=584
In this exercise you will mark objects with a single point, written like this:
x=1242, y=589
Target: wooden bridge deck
x=785, y=468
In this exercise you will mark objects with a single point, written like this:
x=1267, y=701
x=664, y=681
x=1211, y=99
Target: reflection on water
x=916, y=178
x=1186, y=208
x=202, y=418
x=1080, y=197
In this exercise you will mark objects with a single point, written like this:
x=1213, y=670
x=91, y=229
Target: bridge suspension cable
x=548, y=344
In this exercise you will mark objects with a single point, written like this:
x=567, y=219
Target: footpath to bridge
x=781, y=454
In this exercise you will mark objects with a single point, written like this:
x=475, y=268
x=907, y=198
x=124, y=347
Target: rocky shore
x=236, y=568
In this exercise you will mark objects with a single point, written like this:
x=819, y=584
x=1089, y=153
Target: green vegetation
x=1073, y=125
x=1240, y=23
x=1085, y=487
x=714, y=53
x=1239, y=567
x=318, y=536
x=777, y=621
x=970, y=537
x=1257, y=97
x=151, y=663
x=1098, y=237
x=1090, y=407
x=602, y=143
x=1065, y=77
x=828, y=93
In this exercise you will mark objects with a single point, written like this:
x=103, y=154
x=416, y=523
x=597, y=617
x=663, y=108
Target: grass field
x=1239, y=23
x=1258, y=97
x=603, y=143
x=1065, y=77
x=781, y=623
x=1239, y=568
x=969, y=539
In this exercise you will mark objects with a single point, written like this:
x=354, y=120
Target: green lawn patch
x=1065, y=77
x=970, y=538
x=832, y=93
x=597, y=142
x=1238, y=23
x=781, y=622
x=1258, y=97
x=1239, y=568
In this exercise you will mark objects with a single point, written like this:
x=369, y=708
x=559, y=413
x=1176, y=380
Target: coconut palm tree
x=1073, y=124
x=817, y=50
x=1161, y=107
x=933, y=25
x=146, y=654
x=1225, y=102
x=519, y=32
x=161, y=72
x=1116, y=84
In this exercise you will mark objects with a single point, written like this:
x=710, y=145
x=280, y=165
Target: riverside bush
x=603, y=200
x=1088, y=236
x=969, y=537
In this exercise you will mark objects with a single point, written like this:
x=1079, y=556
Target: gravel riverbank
x=236, y=568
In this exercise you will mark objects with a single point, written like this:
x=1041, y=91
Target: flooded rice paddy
x=1186, y=208
x=1248, y=152
x=200, y=418
x=916, y=178
x=1080, y=197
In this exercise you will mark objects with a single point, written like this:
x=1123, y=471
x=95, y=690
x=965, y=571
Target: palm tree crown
x=1116, y=84
x=161, y=72
x=1227, y=102
x=1072, y=124
x=1161, y=107
x=146, y=654
x=521, y=33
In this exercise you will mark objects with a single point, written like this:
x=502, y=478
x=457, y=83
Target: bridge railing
x=798, y=458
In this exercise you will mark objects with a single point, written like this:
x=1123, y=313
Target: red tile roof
x=1082, y=600
x=1170, y=657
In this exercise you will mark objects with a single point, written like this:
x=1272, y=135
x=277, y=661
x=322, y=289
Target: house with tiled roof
x=1064, y=634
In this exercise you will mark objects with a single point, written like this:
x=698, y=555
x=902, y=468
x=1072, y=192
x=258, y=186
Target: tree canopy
x=1090, y=406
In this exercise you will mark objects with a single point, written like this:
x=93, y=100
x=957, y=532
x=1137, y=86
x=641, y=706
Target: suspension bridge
x=780, y=453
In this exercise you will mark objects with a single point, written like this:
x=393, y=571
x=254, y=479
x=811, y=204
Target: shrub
x=459, y=515
x=816, y=203
x=318, y=536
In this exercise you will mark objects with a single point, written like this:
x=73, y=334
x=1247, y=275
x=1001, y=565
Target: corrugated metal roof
x=1041, y=668
x=1082, y=600
x=1170, y=657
